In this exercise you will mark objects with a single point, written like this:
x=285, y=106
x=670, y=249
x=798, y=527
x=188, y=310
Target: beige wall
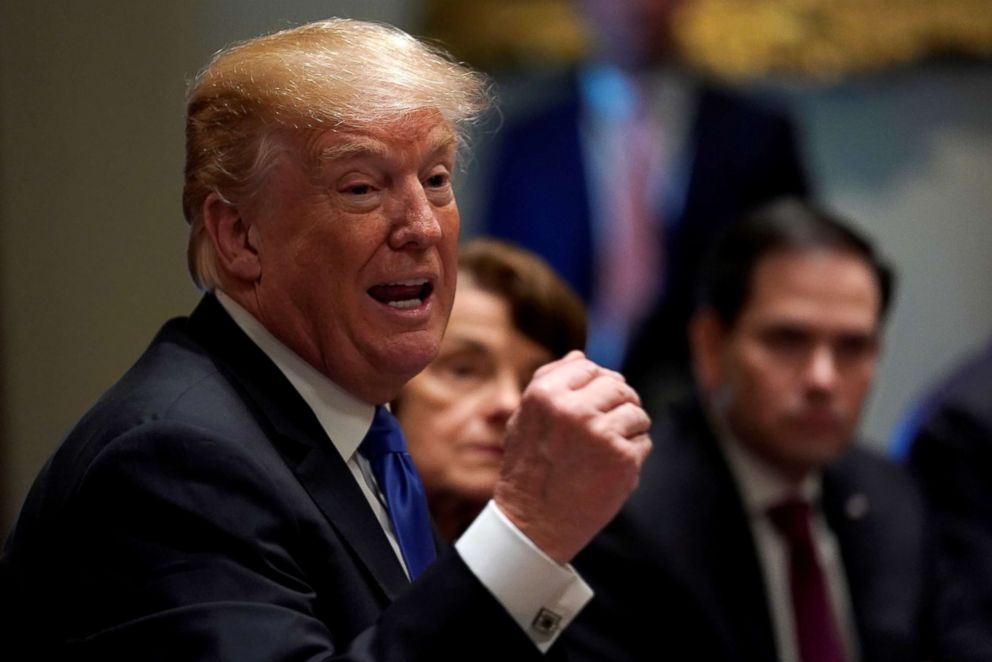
x=91, y=249
x=909, y=156
x=92, y=239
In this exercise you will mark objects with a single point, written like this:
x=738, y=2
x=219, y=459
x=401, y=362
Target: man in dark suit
x=950, y=452
x=241, y=494
x=700, y=156
x=760, y=530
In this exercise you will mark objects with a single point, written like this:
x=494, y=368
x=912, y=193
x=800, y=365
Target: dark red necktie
x=816, y=628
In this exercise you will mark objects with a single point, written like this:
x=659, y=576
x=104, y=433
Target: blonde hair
x=244, y=107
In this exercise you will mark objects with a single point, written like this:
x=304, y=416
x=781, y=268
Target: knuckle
x=539, y=392
x=623, y=392
x=599, y=426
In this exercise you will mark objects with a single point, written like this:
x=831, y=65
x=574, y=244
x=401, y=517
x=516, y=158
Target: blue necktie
x=385, y=449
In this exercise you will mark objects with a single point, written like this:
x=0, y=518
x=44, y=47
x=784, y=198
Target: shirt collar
x=607, y=91
x=761, y=486
x=612, y=93
x=344, y=418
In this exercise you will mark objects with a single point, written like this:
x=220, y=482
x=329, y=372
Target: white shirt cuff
x=540, y=595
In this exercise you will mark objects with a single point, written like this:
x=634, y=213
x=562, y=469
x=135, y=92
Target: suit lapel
x=727, y=552
x=332, y=485
x=297, y=435
x=707, y=540
x=847, y=510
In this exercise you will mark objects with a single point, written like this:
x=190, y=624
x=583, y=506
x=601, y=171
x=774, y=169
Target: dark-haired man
x=761, y=530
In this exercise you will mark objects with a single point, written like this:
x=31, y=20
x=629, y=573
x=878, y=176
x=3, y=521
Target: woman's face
x=454, y=413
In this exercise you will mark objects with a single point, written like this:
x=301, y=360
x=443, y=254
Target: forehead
x=478, y=310
x=824, y=287
x=483, y=320
x=421, y=132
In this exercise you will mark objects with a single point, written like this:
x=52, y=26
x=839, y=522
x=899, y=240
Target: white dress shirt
x=761, y=488
x=542, y=596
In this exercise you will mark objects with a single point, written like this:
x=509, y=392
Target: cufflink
x=546, y=622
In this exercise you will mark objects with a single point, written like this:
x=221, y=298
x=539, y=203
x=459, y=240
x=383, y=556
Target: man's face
x=632, y=33
x=357, y=251
x=454, y=413
x=790, y=377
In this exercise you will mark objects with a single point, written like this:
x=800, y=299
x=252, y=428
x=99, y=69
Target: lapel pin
x=856, y=506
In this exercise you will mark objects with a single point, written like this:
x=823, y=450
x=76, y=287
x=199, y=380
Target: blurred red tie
x=816, y=628
x=631, y=269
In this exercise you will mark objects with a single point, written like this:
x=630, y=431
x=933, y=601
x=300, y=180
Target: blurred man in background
x=622, y=181
x=761, y=529
x=948, y=441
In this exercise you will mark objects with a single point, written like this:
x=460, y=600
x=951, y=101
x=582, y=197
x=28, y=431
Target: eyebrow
x=362, y=147
x=462, y=344
x=445, y=140
x=353, y=149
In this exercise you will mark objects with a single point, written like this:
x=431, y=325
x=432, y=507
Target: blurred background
x=891, y=97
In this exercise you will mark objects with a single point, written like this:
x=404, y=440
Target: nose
x=821, y=370
x=505, y=398
x=414, y=218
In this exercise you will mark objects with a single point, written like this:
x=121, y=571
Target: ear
x=235, y=241
x=707, y=336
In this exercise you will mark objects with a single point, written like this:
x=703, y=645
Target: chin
x=410, y=355
x=820, y=455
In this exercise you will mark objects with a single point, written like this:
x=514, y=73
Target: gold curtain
x=735, y=39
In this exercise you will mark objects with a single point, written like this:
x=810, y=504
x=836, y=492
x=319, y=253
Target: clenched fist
x=573, y=454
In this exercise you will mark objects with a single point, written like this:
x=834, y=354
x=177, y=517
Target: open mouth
x=404, y=294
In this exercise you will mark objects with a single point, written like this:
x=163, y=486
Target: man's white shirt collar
x=761, y=487
x=343, y=417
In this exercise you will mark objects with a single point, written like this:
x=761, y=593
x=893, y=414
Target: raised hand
x=573, y=455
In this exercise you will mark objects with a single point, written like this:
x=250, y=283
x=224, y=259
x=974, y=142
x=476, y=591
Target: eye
x=437, y=186
x=359, y=189
x=358, y=192
x=464, y=370
x=438, y=180
x=355, y=186
x=787, y=341
x=855, y=347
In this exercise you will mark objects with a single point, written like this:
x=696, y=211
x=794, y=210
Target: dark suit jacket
x=740, y=154
x=951, y=454
x=677, y=576
x=198, y=512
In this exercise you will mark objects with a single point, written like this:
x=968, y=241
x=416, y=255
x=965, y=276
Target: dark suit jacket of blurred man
x=677, y=576
x=739, y=154
x=951, y=454
x=212, y=445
